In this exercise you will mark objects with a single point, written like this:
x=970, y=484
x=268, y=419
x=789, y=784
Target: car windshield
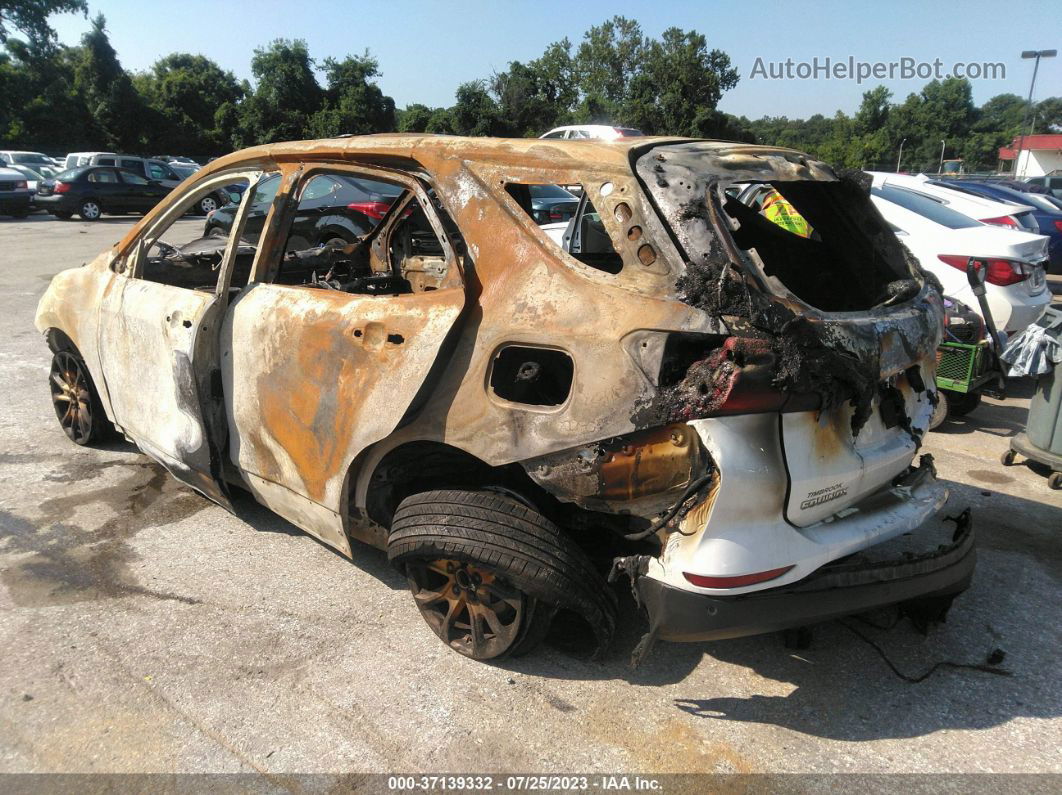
x=924, y=206
x=27, y=171
x=550, y=192
x=30, y=158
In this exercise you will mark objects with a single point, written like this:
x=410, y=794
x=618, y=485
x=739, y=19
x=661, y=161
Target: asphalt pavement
x=143, y=629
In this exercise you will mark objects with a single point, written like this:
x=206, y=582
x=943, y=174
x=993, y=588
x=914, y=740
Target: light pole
x=940, y=168
x=1026, y=54
x=900, y=156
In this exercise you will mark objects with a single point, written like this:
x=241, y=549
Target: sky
x=426, y=49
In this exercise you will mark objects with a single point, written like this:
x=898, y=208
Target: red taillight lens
x=555, y=215
x=376, y=210
x=1058, y=225
x=1001, y=272
x=61, y=187
x=701, y=581
x=1003, y=220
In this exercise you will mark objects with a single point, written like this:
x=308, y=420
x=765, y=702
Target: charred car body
x=738, y=407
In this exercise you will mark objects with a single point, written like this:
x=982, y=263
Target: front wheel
x=90, y=210
x=962, y=403
x=488, y=573
x=76, y=402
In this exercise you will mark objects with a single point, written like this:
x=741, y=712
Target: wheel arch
x=380, y=478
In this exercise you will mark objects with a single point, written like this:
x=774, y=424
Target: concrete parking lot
x=144, y=629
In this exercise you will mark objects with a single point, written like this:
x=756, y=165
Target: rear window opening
x=534, y=376
x=571, y=222
x=818, y=239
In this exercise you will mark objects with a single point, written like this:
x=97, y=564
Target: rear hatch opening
x=833, y=324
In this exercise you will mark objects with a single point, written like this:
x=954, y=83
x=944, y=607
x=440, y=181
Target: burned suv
x=683, y=392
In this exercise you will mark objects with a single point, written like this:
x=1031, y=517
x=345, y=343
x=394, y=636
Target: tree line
x=56, y=98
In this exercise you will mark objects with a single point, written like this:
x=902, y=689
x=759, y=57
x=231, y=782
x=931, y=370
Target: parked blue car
x=1047, y=214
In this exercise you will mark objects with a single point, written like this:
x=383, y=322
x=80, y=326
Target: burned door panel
x=312, y=377
x=148, y=338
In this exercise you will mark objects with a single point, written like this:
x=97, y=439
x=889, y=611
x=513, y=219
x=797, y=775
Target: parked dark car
x=91, y=191
x=552, y=203
x=332, y=208
x=1047, y=216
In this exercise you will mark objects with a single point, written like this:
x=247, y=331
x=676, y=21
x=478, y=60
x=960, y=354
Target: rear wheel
x=76, y=402
x=90, y=210
x=488, y=572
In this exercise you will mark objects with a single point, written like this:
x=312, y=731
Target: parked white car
x=601, y=131
x=13, y=157
x=76, y=159
x=35, y=174
x=943, y=240
x=980, y=208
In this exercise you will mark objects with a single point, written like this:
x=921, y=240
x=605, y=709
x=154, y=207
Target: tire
x=443, y=540
x=960, y=404
x=90, y=210
x=77, y=403
x=208, y=204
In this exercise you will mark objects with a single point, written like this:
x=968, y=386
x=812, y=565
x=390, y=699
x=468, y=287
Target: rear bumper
x=835, y=590
x=14, y=203
x=55, y=201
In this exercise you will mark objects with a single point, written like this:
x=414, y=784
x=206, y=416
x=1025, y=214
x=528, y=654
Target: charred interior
x=773, y=244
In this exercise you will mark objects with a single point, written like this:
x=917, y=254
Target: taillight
x=1003, y=220
x=1058, y=225
x=556, y=215
x=61, y=187
x=1001, y=272
x=703, y=581
x=376, y=210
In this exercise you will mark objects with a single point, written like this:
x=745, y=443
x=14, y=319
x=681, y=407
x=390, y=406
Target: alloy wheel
x=468, y=606
x=71, y=396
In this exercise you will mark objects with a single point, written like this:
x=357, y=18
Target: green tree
x=605, y=63
x=286, y=94
x=117, y=111
x=354, y=103
x=31, y=17
x=676, y=88
x=187, y=91
x=475, y=112
x=39, y=107
x=414, y=118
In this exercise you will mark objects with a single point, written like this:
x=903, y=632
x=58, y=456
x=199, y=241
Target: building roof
x=1042, y=141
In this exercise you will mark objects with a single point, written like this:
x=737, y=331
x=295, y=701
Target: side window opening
x=362, y=235
x=817, y=240
x=103, y=175
x=184, y=254
x=569, y=221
